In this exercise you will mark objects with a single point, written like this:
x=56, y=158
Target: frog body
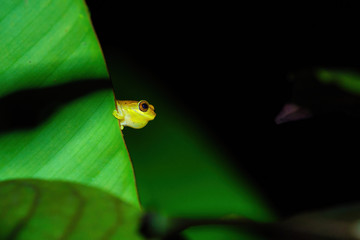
x=135, y=114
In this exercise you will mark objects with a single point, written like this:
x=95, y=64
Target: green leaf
x=46, y=42
x=180, y=170
x=347, y=80
x=38, y=209
x=76, y=138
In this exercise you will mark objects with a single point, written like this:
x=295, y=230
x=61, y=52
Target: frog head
x=135, y=114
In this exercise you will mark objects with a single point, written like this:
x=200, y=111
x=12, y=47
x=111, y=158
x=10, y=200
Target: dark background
x=228, y=67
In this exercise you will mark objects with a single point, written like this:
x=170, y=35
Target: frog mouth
x=152, y=116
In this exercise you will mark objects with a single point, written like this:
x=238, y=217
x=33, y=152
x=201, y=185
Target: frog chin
x=151, y=117
x=138, y=125
x=135, y=123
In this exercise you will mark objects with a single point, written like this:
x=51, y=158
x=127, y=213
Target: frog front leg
x=120, y=117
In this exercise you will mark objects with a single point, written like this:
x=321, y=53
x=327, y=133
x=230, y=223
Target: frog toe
x=117, y=115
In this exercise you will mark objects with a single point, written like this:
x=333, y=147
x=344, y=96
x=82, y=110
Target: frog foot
x=117, y=115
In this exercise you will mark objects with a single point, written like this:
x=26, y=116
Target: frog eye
x=143, y=105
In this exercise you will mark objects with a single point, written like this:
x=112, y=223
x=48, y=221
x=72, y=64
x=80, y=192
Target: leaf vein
x=112, y=230
x=75, y=219
x=24, y=221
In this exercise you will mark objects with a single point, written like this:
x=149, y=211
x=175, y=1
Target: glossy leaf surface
x=50, y=60
x=45, y=43
x=38, y=209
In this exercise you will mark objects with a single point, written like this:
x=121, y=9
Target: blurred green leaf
x=38, y=209
x=220, y=232
x=48, y=43
x=347, y=80
x=180, y=169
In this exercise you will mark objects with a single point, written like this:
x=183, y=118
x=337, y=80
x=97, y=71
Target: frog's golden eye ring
x=143, y=106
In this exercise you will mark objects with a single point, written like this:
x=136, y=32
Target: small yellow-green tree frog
x=135, y=114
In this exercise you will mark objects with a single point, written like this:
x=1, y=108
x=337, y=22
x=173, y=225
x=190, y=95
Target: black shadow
x=29, y=108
